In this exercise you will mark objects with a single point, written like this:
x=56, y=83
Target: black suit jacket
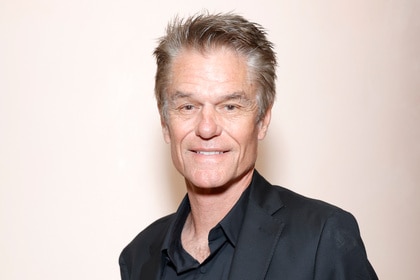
x=284, y=236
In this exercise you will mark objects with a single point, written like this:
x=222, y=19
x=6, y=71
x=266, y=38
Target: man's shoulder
x=296, y=200
x=313, y=212
x=134, y=255
x=155, y=231
x=157, y=227
x=289, y=200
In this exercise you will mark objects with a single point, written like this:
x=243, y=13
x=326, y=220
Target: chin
x=208, y=184
x=207, y=180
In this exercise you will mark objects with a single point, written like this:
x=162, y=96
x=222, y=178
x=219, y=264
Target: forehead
x=214, y=70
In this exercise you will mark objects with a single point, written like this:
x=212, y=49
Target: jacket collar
x=259, y=234
x=257, y=241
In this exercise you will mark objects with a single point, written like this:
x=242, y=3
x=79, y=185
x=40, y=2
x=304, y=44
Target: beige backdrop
x=83, y=166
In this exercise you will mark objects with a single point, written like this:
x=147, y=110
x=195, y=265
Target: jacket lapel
x=260, y=233
x=259, y=236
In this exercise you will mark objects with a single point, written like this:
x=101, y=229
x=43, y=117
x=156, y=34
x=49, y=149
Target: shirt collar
x=231, y=223
x=176, y=228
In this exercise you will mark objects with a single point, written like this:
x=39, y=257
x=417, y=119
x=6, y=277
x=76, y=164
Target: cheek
x=174, y=132
x=245, y=135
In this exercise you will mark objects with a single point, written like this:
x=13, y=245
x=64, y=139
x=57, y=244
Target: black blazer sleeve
x=341, y=253
x=123, y=269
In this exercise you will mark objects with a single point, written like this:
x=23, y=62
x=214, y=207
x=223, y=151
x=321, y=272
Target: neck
x=209, y=206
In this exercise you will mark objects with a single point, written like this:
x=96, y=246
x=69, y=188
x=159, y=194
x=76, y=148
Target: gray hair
x=205, y=32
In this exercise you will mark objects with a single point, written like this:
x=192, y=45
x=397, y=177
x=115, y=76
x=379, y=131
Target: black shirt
x=179, y=265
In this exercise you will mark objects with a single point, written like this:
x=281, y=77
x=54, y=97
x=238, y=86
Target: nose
x=208, y=124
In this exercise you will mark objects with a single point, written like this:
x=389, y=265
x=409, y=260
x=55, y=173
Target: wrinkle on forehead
x=225, y=57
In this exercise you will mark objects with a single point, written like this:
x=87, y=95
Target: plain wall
x=84, y=168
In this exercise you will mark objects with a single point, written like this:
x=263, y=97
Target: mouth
x=208, y=153
x=212, y=153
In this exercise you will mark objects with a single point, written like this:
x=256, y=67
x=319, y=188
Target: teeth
x=209, y=153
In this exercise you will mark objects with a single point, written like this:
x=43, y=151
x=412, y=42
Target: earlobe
x=166, y=135
x=165, y=129
x=263, y=125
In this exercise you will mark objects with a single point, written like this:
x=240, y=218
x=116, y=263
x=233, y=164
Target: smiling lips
x=212, y=153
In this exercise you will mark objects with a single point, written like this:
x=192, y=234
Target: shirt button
x=202, y=270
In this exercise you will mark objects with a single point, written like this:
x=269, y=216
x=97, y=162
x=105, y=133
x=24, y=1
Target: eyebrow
x=235, y=95
x=239, y=95
x=180, y=95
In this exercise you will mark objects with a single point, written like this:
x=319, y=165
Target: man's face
x=212, y=118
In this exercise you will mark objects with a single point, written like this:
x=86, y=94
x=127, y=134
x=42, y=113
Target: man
x=215, y=87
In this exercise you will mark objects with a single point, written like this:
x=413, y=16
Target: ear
x=165, y=130
x=263, y=124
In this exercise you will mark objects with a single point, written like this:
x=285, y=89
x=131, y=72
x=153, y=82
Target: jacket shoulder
x=150, y=233
x=313, y=212
x=286, y=202
x=156, y=226
x=297, y=201
x=139, y=249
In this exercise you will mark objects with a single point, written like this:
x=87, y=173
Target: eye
x=230, y=107
x=187, y=107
